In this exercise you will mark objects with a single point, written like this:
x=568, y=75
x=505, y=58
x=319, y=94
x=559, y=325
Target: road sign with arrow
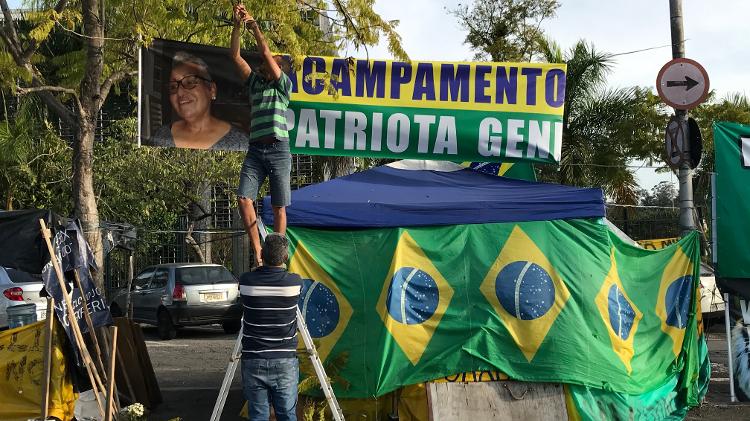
x=682, y=83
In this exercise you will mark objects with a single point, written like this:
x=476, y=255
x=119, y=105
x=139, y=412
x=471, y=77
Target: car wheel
x=165, y=326
x=231, y=326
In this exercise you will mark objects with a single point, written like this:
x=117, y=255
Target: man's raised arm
x=239, y=16
x=265, y=52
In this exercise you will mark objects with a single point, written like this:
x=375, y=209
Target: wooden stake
x=48, y=341
x=108, y=345
x=90, y=325
x=96, y=383
x=111, y=374
x=131, y=274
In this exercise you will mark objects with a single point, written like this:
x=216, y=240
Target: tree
x=663, y=194
x=505, y=30
x=604, y=129
x=33, y=159
x=104, y=38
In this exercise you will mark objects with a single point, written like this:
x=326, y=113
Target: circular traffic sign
x=682, y=83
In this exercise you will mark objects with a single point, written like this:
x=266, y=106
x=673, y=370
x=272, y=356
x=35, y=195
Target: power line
x=620, y=205
x=648, y=49
x=653, y=167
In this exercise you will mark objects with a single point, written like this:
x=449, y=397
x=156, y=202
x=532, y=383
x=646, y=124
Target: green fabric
x=341, y=129
x=400, y=306
x=268, y=104
x=732, y=182
x=663, y=403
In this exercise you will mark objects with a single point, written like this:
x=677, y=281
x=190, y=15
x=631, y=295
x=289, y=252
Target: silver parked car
x=17, y=288
x=183, y=294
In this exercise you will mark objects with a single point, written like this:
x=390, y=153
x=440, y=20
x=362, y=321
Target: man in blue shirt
x=270, y=368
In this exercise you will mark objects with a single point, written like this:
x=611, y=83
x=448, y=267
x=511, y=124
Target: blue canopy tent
x=396, y=197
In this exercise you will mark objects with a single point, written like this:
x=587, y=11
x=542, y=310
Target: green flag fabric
x=515, y=170
x=732, y=153
x=550, y=301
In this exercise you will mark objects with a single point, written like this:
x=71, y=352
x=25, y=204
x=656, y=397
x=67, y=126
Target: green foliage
x=505, y=30
x=333, y=367
x=314, y=409
x=604, y=129
x=34, y=161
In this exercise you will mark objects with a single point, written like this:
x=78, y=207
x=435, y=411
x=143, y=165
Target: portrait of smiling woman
x=191, y=94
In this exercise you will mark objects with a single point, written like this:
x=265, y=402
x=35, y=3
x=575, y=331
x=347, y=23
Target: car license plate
x=211, y=297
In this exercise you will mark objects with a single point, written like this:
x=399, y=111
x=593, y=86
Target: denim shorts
x=273, y=160
x=273, y=380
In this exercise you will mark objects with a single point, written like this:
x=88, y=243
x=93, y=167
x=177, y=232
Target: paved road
x=190, y=370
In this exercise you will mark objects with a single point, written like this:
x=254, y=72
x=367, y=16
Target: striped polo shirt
x=268, y=103
x=269, y=299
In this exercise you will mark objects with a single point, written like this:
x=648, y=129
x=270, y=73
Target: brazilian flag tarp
x=514, y=289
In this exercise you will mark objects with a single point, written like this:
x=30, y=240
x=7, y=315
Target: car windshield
x=203, y=275
x=20, y=277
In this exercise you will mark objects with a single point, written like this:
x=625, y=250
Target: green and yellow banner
x=555, y=301
x=478, y=112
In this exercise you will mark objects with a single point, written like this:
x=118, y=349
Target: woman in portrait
x=191, y=93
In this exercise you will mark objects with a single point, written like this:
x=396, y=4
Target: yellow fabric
x=658, y=243
x=573, y=414
x=22, y=379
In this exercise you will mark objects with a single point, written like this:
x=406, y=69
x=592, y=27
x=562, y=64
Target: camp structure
x=421, y=272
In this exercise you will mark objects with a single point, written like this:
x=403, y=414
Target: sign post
x=683, y=84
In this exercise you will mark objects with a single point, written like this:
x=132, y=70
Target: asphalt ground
x=190, y=370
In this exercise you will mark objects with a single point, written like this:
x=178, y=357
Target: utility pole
x=687, y=212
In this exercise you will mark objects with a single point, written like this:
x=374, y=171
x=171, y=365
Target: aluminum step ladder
x=312, y=352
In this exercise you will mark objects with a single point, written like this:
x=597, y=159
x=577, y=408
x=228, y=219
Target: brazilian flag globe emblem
x=673, y=302
x=525, y=291
x=325, y=309
x=413, y=299
x=620, y=315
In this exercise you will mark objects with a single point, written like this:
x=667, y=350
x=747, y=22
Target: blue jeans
x=273, y=380
x=273, y=160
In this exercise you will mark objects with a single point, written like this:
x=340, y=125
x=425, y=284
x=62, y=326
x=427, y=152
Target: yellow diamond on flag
x=675, y=294
x=414, y=298
x=619, y=313
x=325, y=309
x=525, y=291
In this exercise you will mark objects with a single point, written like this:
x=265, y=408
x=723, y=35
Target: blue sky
x=717, y=35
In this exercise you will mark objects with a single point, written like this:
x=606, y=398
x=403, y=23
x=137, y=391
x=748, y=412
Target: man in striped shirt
x=268, y=153
x=270, y=368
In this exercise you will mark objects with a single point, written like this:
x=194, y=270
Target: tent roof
x=395, y=197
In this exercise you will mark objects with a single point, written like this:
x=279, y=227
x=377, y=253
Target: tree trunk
x=337, y=166
x=83, y=191
x=83, y=153
x=194, y=246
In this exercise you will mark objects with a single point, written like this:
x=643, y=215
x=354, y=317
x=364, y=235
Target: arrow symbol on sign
x=689, y=83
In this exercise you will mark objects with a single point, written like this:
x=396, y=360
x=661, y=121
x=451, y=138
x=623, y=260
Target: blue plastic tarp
x=390, y=197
